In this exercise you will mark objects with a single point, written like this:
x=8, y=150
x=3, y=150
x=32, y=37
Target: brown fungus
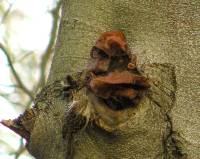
x=112, y=72
x=113, y=43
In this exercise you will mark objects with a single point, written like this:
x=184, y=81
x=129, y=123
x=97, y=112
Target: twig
x=7, y=97
x=7, y=145
x=20, y=150
x=7, y=12
x=49, y=50
x=14, y=72
x=28, y=104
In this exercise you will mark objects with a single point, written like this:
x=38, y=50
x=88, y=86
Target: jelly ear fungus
x=112, y=73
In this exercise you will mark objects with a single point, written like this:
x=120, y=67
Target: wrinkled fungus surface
x=112, y=72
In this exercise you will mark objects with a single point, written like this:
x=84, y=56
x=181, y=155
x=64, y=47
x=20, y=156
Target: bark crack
x=173, y=147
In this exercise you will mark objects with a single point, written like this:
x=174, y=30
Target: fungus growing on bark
x=101, y=94
x=112, y=72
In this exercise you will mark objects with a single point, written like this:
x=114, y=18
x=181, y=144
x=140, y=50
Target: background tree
x=25, y=61
x=159, y=32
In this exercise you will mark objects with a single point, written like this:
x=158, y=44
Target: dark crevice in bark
x=163, y=94
x=173, y=148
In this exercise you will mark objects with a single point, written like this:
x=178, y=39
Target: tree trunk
x=158, y=32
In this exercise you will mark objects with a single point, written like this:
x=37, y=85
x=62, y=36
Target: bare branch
x=20, y=150
x=15, y=74
x=49, y=49
x=7, y=12
x=6, y=96
x=7, y=145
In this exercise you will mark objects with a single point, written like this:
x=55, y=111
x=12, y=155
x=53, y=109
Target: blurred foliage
x=28, y=68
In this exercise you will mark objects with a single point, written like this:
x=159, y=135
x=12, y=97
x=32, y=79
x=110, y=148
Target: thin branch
x=49, y=49
x=7, y=145
x=11, y=85
x=20, y=150
x=15, y=74
x=7, y=97
x=7, y=12
x=28, y=104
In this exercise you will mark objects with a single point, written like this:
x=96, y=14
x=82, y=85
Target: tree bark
x=166, y=122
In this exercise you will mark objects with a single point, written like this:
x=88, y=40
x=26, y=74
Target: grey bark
x=158, y=32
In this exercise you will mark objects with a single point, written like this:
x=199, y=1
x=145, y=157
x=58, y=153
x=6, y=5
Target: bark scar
x=112, y=84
